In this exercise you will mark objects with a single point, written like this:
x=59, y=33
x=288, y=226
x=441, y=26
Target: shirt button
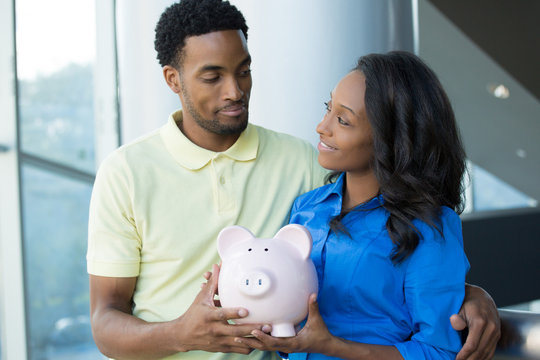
x=222, y=180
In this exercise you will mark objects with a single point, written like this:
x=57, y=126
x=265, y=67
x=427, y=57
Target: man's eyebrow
x=206, y=68
x=246, y=61
x=211, y=68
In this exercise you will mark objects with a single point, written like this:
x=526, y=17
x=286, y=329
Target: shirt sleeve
x=113, y=242
x=434, y=290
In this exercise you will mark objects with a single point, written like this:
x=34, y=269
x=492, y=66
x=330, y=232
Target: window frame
x=12, y=304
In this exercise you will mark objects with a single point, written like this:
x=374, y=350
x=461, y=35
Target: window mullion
x=12, y=313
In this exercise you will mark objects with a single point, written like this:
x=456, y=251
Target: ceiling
x=507, y=30
x=473, y=44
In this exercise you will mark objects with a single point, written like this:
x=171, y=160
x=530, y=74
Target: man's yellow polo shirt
x=159, y=203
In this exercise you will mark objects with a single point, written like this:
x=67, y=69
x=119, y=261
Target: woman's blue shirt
x=366, y=298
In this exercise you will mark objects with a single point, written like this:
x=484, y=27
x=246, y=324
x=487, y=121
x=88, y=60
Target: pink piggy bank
x=271, y=278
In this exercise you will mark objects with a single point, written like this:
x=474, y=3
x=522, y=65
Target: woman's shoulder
x=314, y=196
x=443, y=234
x=440, y=252
x=446, y=217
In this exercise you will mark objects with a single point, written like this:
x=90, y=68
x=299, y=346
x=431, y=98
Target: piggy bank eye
x=266, y=249
x=249, y=249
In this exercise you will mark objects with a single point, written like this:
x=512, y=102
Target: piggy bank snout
x=255, y=283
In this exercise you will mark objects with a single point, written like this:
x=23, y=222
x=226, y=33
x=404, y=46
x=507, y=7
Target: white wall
x=145, y=99
x=302, y=48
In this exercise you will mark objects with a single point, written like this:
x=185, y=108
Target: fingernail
x=266, y=328
x=237, y=340
x=242, y=312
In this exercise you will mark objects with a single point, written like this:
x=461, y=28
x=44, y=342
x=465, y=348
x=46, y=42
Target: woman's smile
x=325, y=147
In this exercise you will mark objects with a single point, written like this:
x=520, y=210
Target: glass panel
x=55, y=212
x=55, y=54
x=491, y=193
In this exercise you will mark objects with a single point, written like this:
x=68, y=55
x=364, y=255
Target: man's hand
x=204, y=326
x=480, y=315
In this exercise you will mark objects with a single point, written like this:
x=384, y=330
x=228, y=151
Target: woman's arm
x=434, y=289
x=315, y=338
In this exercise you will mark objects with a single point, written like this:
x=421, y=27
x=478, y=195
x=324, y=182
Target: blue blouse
x=364, y=297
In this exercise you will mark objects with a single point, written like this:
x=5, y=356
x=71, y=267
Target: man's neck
x=206, y=139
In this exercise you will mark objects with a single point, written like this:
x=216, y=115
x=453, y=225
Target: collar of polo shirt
x=194, y=157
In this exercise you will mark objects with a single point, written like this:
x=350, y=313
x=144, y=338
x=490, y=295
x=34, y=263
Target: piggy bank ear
x=298, y=236
x=231, y=235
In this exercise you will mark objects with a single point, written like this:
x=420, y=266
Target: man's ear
x=172, y=77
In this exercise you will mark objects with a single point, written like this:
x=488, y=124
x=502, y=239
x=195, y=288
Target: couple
x=388, y=220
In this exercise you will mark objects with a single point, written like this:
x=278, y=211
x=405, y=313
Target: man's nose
x=233, y=92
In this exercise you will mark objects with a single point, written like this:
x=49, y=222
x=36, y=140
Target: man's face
x=215, y=80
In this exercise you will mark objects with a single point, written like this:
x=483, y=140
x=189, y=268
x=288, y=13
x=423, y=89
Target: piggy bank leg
x=283, y=330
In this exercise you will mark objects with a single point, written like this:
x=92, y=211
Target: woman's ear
x=172, y=77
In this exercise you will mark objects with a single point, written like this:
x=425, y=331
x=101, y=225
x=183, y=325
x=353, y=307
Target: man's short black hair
x=191, y=18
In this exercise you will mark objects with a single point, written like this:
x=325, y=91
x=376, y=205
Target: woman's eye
x=327, y=106
x=342, y=122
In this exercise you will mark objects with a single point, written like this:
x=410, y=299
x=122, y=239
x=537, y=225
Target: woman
x=387, y=235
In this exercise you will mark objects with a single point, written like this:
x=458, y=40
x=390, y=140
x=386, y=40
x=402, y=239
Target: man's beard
x=213, y=125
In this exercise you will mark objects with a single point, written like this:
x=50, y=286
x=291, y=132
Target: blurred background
x=79, y=78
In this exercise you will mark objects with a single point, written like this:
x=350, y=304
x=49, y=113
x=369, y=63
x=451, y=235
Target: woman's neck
x=359, y=188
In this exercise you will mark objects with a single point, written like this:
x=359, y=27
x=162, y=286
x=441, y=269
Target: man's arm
x=480, y=315
x=121, y=335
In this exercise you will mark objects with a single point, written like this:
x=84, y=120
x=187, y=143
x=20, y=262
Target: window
x=491, y=193
x=55, y=216
x=55, y=53
x=55, y=58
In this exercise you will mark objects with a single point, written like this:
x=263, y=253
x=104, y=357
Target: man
x=159, y=202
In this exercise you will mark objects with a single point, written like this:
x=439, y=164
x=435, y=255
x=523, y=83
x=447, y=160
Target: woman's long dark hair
x=419, y=160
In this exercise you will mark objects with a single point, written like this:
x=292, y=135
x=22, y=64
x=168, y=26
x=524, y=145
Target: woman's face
x=346, y=142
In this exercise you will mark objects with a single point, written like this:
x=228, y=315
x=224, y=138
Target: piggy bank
x=271, y=278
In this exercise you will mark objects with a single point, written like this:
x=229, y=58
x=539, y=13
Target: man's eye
x=245, y=72
x=210, y=79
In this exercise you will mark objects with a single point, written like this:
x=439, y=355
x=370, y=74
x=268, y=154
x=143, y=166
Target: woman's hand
x=313, y=338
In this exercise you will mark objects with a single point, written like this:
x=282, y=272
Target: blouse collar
x=336, y=189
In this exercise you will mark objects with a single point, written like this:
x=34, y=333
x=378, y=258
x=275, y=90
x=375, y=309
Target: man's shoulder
x=131, y=150
x=142, y=142
x=271, y=135
x=273, y=138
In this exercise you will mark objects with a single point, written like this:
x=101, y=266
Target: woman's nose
x=322, y=127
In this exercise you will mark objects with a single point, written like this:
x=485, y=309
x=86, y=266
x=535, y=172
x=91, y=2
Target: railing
x=520, y=335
